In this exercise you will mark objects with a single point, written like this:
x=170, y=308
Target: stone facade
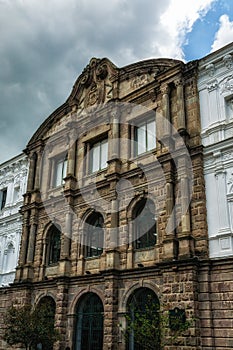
x=153, y=136
x=127, y=142
x=215, y=85
x=13, y=178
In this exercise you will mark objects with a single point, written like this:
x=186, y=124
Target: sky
x=45, y=44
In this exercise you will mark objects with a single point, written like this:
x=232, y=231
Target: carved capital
x=210, y=69
x=227, y=59
x=165, y=89
x=179, y=82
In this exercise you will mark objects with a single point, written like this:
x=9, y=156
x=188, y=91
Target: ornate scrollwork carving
x=210, y=69
x=227, y=85
x=94, y=85
x=227, y=59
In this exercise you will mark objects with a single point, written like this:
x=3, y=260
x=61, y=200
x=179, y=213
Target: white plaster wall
x=13, y=175
x=215, y=85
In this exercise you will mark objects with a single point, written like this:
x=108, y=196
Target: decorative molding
x=227, y=85
x=227, y=59
x=94, y=86
x=210, y=69
x=212, y=85
x=230, y=184
x=139, y=81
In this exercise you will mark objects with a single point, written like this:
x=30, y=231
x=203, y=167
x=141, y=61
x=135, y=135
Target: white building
x=13, y=179
x=215, y=85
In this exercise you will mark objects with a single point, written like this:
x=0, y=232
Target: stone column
x=31, y=244
x=165, y=89
x=38, y=170
x=32, y=171
x=169, y=242
x=185, y=200
x=62, y=292
x=81, y=260
x=110, y=315
x=180, y=104
x=25, y=235
x=44, y=258
x=186, y=241
x=23, y=247
x=115, y=137
x=130, y=247
x=112, y=255
x=66, y=244
x=65, y=253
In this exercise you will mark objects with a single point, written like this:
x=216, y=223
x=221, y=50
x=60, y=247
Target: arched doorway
x=143, y=320
x=47, y=309
x=89, y=324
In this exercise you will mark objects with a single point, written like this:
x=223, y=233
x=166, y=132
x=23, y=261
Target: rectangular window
x=3, y=194
x=145, y=137
x=60, y=170
x=99, y=156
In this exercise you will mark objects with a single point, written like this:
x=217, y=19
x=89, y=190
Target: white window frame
x=98, y=156
x=60, y=171
x=146, y=141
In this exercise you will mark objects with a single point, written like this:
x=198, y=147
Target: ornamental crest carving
x=95, y=84
x=227, y=86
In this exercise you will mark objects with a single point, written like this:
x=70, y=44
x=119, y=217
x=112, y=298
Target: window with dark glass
x=145, y=137
x=60, y=169
x=54, y=245
x=47, y=309
x=3, y=194
x=98, y=156
x=89, y=323
x=94, y=235
x=144, y=224
x=143, y=309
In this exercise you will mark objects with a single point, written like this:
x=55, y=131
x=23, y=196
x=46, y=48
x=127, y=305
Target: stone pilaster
x=181, y=124
x=165, y=89
x=61, y=312
x=169, y=242
x=66, y=244
x=32, y=172
x=110, y=317
x=112, y=255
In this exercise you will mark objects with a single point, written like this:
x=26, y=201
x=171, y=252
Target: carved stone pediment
x=94, y=86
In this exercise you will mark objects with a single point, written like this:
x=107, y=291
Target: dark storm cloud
x=44, y=46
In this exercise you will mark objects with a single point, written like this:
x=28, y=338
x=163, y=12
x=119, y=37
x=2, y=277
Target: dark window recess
x=3, y=198
x=144, y=224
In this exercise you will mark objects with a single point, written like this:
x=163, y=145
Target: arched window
x=47, y=309
x=143, y=320
x=144, y=224
x=89, y=323
x=94, y=235
x=54, y=246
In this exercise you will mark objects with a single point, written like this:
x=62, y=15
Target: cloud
x=44, y=46
x=224, y=34
x=178, y=20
